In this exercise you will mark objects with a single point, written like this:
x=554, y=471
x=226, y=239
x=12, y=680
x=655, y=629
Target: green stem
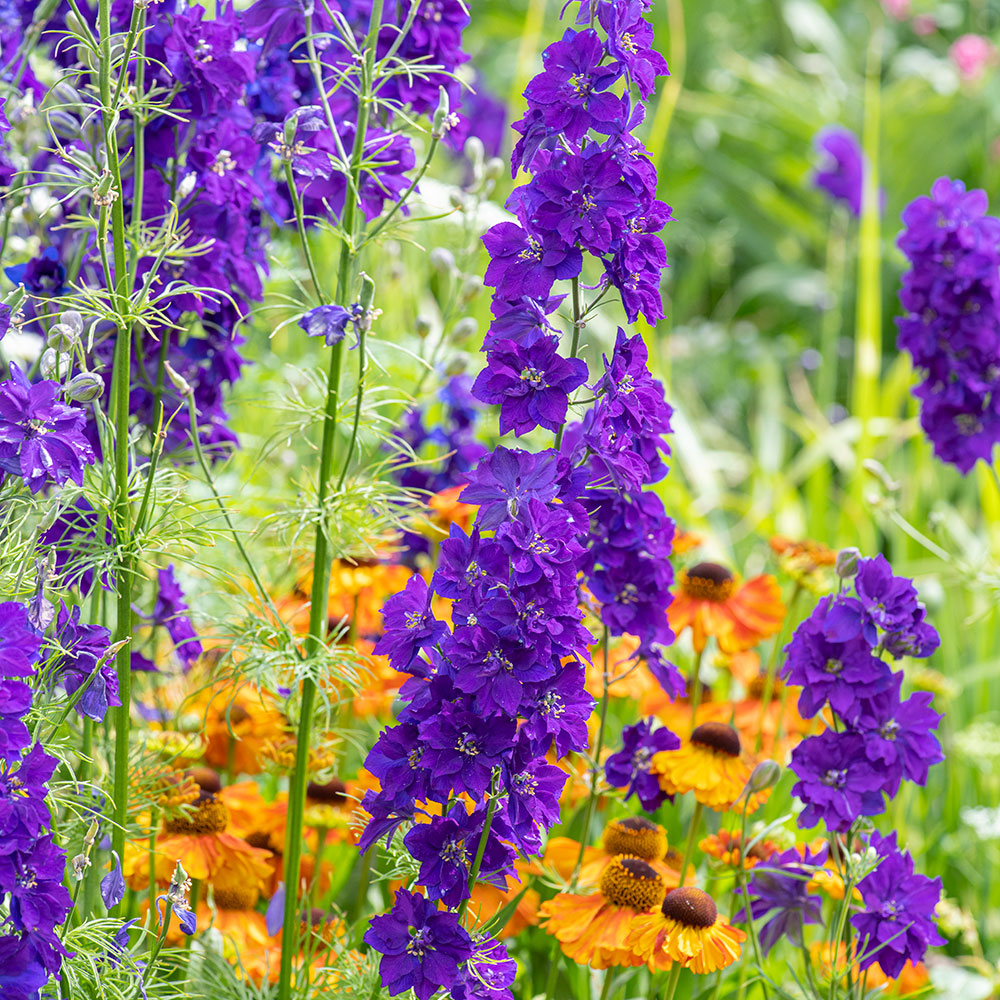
x=595, y=770
x=691, y=837
x=675, y=975
x=321, y=553
x=121, y=383
x=575, y=344
x=606, y=988
x=741, y=877
x=300, y=225
x=696, y=687
x=480, y=851
x=772, y=668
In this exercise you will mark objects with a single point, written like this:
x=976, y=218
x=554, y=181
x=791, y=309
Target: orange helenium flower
x=709, y=763
x=686, y=929
x=712, y=602
x=593, y=930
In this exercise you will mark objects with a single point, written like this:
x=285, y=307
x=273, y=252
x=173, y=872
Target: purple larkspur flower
x=33, y=879
x=899, y=737
x=462, y=748
x=15, y=703
x=541, y=543
x=580, y=196
x=897, y=924
x=840, y=673
x=572, y=91
x=41, y=439
x=632, y=400
x=533, y=789
x=951, y=322
x=522, y=320
x=488, y=974
x=171, y=612
x=780, y=886
x=842, y=172
x=395, y=759
x=629, y=767
x=468, y=565
x=630, y=41
x=557, y=711
x=19, y=642
x=43, y=275
x=836, y=782
x=884, y=603
x=446, y=846
x=78, y=649
x=507, y=479
x=410, y=624
x=421, y=947
x=527, y=264
x=531, y=385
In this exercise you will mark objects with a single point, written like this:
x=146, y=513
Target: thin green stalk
x=675, y=975
x=575, y=343
x=865, y=401
x=480, y=851
x=121, y=384
x=300, y=226
x=741, y=877
x=321, y=554
x=595, y=770
x=772, y=666
x=606, y=988
x=691, y=837
x=696, y=687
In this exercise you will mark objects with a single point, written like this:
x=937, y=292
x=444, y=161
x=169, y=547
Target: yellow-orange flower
x=687, y=929
x=805, y=561
x=710, y=763
x=237, y=726
x=685, y=541
x=726, y=847
x=594, y=930
x=200, y=841
x=634, y=836
x=627, y=676
x=712, y=602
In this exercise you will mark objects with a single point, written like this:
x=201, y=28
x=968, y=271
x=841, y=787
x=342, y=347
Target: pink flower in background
x=924, y=24
x=899, y=9
x=971, y=54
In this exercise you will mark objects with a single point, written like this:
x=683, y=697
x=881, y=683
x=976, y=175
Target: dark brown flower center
x=717, y=736
x=635, y=836
x=690, y=907
x=209, y=815
x=708, y=582
x=332, y=792
x=236, y=897
x=629, y=881
x=206, y=779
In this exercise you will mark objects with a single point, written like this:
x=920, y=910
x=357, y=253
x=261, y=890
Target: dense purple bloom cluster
x=490, y=696
x=841, y=174
x=836, y=657
x=32, y=866
x=951, y=326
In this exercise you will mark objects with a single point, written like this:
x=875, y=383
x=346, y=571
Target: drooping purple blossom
x=410, y=625
x=80, y=655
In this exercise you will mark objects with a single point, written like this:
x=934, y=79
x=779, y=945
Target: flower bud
x=475, y=152
x=765, y=775
x=442, y=115
x=181, y=384
x=367, y=296
x=456, y=200
x=847, y=563
x=73, y=320
x=62, y=337
x=55, y=365
x=471, y=287
x=186, y=186
x=442, y=260
x=422, y=327
x=85, y=387
x=495, y=168
x=466, y=328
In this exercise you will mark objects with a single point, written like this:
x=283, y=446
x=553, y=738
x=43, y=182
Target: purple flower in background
x=842, y=171
x=171, y=612
x=422, y=948
x=329, y=322
x=527, y=264
x=951, y=326
x=836, y=782
x=489, y=973
x=410, y=624
x=531, y=385
x=780, y=886
x=43, y=275
x=897, y=925
x=629, y=767
x=41, y=439
x=19, y=642
x=884, y=602
x=78, y=650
